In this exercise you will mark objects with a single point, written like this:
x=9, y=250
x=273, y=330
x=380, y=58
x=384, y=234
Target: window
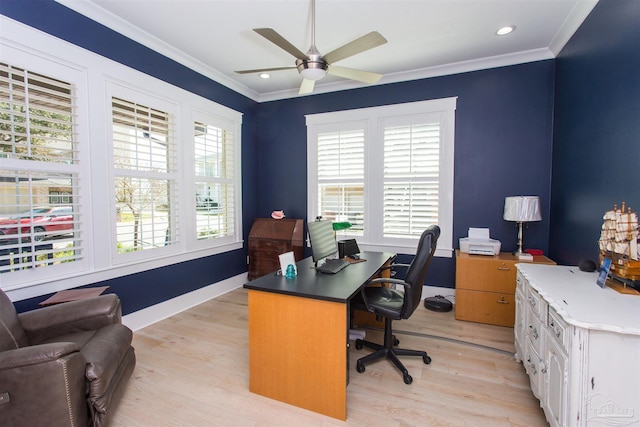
x=215, y=179
x=388, y=171
x=341, y=177
x=38, y=147
x=144, y=175
x=411, y=177
x=98, y=175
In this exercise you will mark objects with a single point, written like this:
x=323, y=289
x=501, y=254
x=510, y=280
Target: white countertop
x=575, y=296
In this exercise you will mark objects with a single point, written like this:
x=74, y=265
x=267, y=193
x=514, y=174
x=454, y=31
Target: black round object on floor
x=438, y=303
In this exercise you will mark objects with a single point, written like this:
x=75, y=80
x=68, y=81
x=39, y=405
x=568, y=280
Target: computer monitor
x=322, y=239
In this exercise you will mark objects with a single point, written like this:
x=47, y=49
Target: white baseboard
x=147, y=316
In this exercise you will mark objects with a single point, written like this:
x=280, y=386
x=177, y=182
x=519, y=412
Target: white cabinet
x=580, y=346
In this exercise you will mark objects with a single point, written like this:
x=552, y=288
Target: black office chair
x=395, y=305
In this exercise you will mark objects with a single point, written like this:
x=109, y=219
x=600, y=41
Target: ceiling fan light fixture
x=312, y=70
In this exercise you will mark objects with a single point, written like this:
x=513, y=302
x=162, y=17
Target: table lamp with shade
x=521, y=209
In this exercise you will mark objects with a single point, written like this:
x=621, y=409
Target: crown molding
x=424, y=73
x=579, y=13
x=117, y=24
x=574, y=20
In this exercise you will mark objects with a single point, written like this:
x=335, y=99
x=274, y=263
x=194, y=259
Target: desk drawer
x=486, y=307
x=486, y=274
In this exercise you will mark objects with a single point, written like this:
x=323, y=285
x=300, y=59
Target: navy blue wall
x=144, y=289
x=596, y=154
x=503, y=147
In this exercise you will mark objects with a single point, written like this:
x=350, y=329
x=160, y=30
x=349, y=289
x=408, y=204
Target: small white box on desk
x=479, y=243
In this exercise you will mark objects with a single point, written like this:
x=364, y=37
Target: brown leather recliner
x=63, y=365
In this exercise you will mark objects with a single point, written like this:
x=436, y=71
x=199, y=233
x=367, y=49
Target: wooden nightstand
x=486, y=287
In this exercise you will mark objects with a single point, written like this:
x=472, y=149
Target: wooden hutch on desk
x=269, y=238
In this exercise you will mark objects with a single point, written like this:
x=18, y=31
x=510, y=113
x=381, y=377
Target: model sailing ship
x=619, y=242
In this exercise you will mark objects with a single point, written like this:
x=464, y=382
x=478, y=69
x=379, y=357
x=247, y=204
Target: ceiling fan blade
x=366, y=42
x=306, y=86
x=264, y=70
x=275, y=38
x=353, y=74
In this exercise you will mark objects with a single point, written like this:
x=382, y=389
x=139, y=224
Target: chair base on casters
x=389, y=352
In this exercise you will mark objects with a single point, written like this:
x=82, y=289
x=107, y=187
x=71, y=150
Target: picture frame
x=605, y=266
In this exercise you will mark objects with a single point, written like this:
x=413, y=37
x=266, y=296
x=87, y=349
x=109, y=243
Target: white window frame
x=77, y=76
x=117, y=90
x=227, y=119
x=25, y=47
x=372, y=121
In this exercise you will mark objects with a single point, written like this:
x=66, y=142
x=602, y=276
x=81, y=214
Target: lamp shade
x=522, y=208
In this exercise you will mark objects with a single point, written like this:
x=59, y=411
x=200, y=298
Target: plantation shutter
x=40, y=218
x=341, y=177
x=215, y=174
x=144, y=156
x=411, y=178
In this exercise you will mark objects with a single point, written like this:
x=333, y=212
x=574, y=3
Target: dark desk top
x=309, y=283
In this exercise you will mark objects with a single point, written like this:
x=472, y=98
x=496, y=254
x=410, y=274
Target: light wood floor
x=192, y=370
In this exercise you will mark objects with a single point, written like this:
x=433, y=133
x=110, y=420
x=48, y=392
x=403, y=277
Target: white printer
x=478, y=242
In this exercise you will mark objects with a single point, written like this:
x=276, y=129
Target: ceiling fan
x=313, y=66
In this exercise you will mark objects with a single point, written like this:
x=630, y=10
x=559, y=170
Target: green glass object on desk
x=291, y=272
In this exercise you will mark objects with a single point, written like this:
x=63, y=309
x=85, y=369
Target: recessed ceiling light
x=506, y=30
x=264, y=75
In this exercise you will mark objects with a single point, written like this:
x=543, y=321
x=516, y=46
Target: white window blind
x=38, y=145
x=341, y=177
x=411, y=178
x=215, y=173
x=144, y=168
x=37, y=117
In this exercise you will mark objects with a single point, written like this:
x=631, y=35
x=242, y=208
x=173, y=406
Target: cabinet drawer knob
x=502, y=300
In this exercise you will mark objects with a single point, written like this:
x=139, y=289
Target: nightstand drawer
x=494, y=308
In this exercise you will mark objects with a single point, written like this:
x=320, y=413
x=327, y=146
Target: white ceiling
x=426, y=38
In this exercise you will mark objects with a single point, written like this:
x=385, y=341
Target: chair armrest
x=391, y=266
x=35, y=354
x=399, y=265
x=390, y=280
x=70, y=317
x=387, y=280
x=43, y=385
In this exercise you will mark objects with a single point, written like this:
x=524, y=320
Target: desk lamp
x=521, y=209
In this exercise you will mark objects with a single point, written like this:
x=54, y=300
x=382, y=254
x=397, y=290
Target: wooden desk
x=298, y=334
